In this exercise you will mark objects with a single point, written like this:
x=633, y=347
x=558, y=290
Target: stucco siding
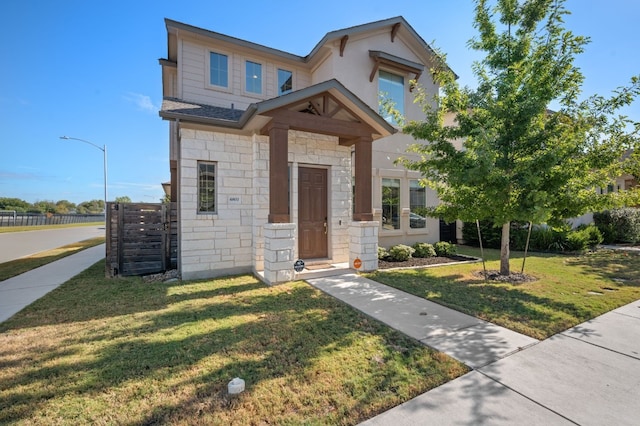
x=195, y=85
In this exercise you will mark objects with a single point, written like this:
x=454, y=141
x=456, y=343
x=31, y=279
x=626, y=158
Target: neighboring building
x=276, y=157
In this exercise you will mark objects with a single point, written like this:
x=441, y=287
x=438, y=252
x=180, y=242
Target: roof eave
x=230, y=124
x=232, y=40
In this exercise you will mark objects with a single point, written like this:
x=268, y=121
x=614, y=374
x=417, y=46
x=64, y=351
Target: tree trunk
x=504, y=249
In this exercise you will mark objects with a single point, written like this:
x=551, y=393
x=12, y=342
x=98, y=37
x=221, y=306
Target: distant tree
x=123, y=199
x=44, y=206
x=520, y=161
x=90, y=207
x=14, y=204
x=65, y=207
x=166, y=199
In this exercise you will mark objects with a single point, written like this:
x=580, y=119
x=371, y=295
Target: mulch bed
x=513, y=278
x=421, y=261
x=492, y=275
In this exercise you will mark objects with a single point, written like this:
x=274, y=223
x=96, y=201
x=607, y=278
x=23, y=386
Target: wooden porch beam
x=319, y=124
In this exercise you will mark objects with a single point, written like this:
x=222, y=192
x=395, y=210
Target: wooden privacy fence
x=142, y=238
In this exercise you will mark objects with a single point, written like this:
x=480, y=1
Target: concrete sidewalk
x=587, y=375
x=24, y=289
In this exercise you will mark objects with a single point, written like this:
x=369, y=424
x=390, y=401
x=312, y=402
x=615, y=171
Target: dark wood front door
x=312, y=212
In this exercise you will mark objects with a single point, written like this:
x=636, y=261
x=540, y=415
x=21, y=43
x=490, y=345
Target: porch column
x=363, y=159
x=278, y=172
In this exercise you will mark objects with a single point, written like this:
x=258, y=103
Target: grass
x=6, y=229
x=24, y=264
x=569, y=289
x=100, y=351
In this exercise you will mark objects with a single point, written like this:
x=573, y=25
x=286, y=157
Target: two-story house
x=276, y=157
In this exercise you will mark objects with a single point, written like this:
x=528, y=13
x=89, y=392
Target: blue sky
x=89, y=70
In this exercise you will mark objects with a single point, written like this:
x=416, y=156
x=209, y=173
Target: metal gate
x=141, y=238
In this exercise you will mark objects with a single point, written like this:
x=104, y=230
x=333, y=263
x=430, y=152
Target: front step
x=321, y=270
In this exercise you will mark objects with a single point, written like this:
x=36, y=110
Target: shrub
x=490, y=234
x=544, y=238
x=444, y=248
x=594, y=235
x=382, y=253
x=400, y=253
x=609, y=232
x=577, y=241
x=424, y=250
x=619, y=225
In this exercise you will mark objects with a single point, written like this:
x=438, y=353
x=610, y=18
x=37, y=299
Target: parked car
x=417, y=221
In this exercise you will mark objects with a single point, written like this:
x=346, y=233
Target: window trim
x=262, y=78
x=208, y=83
x=215, y=189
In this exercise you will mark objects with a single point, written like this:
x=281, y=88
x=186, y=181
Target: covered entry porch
x=322, y=187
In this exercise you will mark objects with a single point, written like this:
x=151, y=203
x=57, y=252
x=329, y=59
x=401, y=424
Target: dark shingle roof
x=175, y=107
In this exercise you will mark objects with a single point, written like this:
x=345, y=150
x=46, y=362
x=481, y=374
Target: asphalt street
x=14, y=245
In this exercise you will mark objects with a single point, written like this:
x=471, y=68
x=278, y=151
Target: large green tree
x=519, y=160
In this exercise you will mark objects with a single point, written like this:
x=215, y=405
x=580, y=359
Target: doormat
x=320, y=266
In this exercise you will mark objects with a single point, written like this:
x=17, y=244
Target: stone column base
x=279, y=250
x=363, y=244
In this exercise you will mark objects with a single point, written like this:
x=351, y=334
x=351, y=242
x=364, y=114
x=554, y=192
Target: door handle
x=325, y=228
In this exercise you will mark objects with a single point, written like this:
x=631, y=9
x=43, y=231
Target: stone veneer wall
x=232, y=240
x=364, y=244
x=220, y=243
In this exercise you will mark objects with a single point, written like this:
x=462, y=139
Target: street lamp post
x=104, y=153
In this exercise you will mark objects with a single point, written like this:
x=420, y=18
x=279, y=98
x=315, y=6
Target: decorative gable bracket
x=394, y=62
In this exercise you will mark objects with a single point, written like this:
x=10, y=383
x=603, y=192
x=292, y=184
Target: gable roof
x=252, y=119
x=373, y=26
x=392, y=23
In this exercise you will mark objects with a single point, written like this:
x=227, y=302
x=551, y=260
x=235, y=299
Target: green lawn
x=100, y=351
x=569, y=289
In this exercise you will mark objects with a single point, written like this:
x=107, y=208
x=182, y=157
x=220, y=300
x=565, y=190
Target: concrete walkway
x=24, y=289
x=587, y=375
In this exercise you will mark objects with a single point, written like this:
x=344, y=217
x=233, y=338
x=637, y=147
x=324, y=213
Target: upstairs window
x=253, y=77
x=218, y=69
x=285, y=82
x=206, y=187
x=391, y=92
